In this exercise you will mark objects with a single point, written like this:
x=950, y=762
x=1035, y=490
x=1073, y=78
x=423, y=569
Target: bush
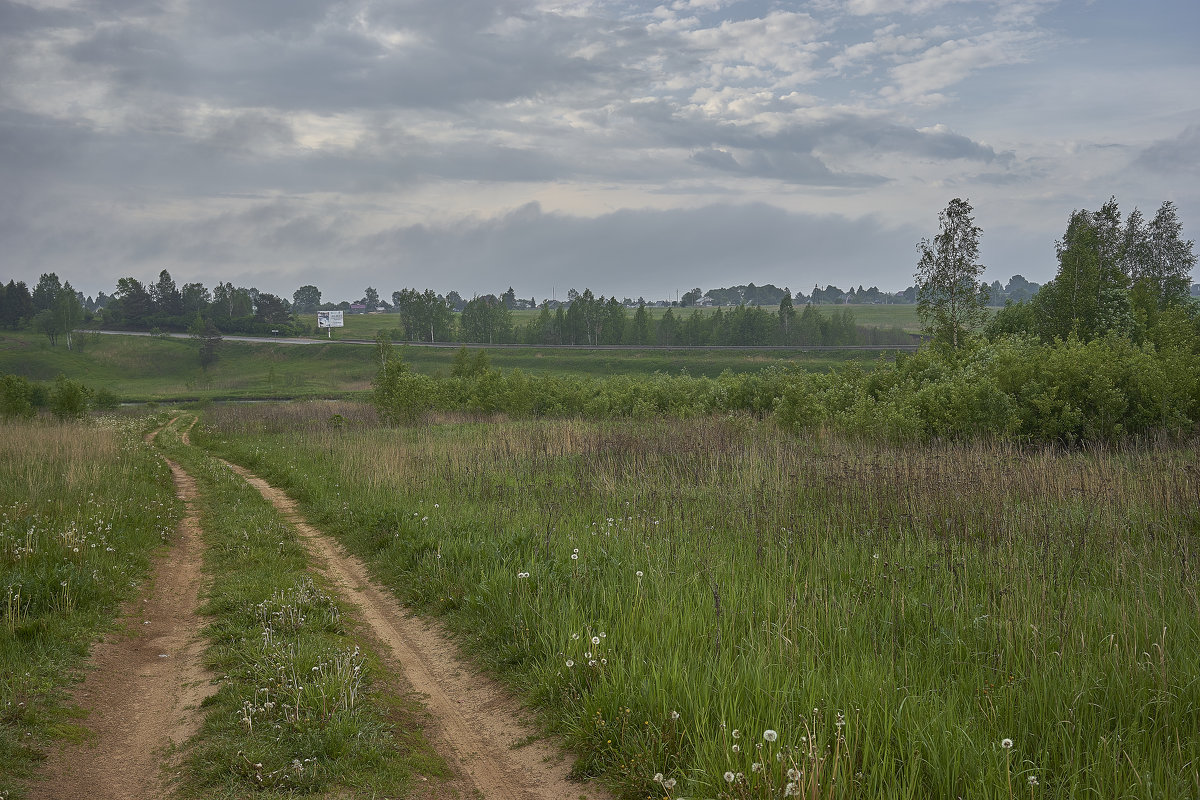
x=16, y=397
x=68, y=398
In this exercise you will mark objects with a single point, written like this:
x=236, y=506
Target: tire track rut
x=477, y=724
x=144, y=687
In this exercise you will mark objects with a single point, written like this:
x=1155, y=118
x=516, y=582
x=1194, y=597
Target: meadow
x=145, y=368
x=713, y=608
x=82, y=508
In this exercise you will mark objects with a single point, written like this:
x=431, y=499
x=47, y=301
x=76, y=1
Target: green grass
x=82, y=507
x=140, y=368
x=893, y=614
x=303, y=707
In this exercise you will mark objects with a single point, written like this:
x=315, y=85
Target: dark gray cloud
x=1173, y=156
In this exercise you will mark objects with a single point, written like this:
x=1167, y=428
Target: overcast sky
x=631, y=147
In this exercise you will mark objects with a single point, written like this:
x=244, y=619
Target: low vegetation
x=82, y=508
x=709, y=608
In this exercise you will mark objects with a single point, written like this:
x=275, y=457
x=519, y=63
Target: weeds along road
x=146, y=684
x=478, y=724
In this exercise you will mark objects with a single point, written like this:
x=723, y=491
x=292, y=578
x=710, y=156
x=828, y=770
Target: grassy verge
x=82, y=508
x=303, y=707
x=708, y=608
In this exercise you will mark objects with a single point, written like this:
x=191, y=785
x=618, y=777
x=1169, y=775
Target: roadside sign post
x=330, y=320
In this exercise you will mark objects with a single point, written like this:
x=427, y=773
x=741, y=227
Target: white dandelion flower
x=1006, y=744
x=729, y=776
x=770, y=735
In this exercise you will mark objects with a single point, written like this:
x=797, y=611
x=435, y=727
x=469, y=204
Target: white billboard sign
x=330, y=319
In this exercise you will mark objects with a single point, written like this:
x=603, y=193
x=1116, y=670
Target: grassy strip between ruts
x=706, y=608
x=82, y=507
x=303, y=706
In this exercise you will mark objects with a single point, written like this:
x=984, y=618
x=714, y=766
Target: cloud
x=1173, y=156
x=950, y=62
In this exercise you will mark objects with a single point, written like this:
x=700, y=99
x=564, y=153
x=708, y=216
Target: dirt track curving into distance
x=477, y=724
x=145, y=686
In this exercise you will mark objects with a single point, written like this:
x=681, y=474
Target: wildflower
x=729, y=777
x=793, y=774
x=737, y=734
x=574, y=556
x=588, y=654
x=756, y=767
x=570, y=663
x=595, y=640
x=770, y=735
x=674, y=715
x=1033, y=781
x=791, y=790
x=669, y=784
x=658, y=777
x=574, y=635
x=736, y=748
x=639, y=573
x=1006, y=744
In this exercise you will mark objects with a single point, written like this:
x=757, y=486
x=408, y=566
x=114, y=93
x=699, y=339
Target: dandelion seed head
x=1006, y=744
x=729, y=776
x=770, y=735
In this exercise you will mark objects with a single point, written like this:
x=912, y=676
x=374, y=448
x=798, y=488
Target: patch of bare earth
x=145, y=685
x=477, y=725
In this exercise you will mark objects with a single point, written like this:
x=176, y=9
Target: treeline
x=55, y=309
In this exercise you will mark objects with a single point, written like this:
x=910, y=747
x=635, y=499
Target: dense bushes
x=65, y=398
x=1016, y=387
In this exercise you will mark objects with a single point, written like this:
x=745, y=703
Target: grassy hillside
x=153, y=368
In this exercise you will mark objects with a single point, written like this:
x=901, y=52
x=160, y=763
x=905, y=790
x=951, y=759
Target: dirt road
x=477, y=725
x=146, y=684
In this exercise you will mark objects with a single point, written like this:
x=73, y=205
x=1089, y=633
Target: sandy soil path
x=477, y=724
x=145, y=685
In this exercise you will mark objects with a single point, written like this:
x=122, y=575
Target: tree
x=951, y=302
x=135, y=302
x=194, y=297
x=690, y=298
x=787, y=315
x=1170, y=259
x=272, y=309
x=371, y=298
x=46, y=292
x=1088, y=296
x=639, y=331
x=165, y=296
x=208, y=338
x=306, y=299
x=16, y=305
x=68, y=312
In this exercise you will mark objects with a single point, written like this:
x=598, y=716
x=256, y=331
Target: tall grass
x=708, y=608
x=82, y=506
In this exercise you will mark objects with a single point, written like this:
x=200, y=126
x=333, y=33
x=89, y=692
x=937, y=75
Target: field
x=736, y=611
x=140, y=368
x=708, y=607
